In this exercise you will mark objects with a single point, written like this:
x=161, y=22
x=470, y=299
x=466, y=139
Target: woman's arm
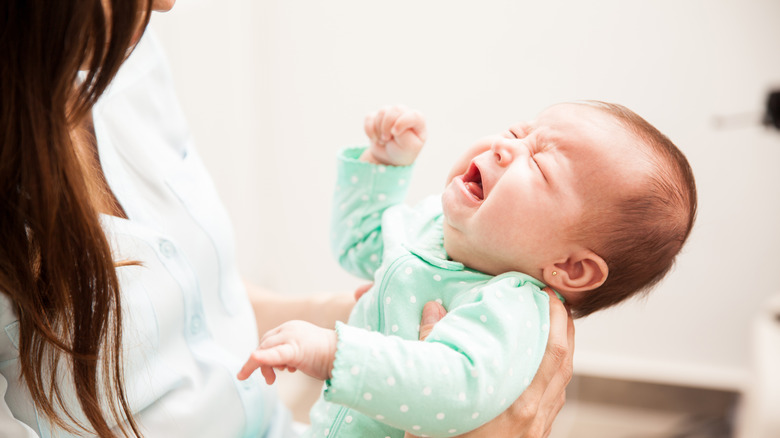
x=324, y=309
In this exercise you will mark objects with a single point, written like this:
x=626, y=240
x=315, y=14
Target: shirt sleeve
x=363, y=192
x=473, y=365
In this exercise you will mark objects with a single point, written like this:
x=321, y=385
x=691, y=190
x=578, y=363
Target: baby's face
x=513, y=199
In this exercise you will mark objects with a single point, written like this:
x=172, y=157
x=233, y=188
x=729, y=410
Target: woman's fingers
x=557, y=350
x=532, y=414
x=543, y=399
x=560, y=345
x=555, y=394
x=432, y=313
x=361, y=290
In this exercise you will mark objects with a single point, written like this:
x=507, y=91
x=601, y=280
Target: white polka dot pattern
x=383, y=378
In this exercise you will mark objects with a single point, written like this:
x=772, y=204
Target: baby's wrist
x=333, y=340
x=368, y=157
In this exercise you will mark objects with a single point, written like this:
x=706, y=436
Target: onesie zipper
x=337, y=421
x=383, y=287
x=339, y=418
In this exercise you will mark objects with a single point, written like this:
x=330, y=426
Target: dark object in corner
x=772, y=114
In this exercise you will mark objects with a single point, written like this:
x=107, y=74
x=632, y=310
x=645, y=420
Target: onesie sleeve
x=474, y=364
x=363, y=192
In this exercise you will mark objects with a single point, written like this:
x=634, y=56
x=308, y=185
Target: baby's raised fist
x=397, y=135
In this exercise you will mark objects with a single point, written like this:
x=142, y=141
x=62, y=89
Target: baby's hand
x=294, y=345
x=397, y=134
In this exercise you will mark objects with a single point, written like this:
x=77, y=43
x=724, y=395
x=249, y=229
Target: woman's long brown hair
x=55, y=261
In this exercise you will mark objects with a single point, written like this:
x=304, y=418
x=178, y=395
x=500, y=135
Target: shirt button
x=167, y=248
x=196, y=324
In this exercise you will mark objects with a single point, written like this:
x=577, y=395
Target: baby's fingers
x=370, y=127
x=277, y=356
x=380, y=115
x=246, y=371
x=269, y=374
x=391, y=114
x=410, y=121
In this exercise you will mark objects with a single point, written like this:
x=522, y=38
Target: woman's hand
x=532, y=414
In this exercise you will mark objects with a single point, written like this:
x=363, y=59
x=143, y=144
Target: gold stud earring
x=554, y=273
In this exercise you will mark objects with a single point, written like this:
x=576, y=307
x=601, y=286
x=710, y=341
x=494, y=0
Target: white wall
x=273, y=89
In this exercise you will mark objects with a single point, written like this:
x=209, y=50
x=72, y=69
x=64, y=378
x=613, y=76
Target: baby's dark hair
x=640, y=236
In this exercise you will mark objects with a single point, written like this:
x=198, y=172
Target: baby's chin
x=458, y=250
x=453, y=243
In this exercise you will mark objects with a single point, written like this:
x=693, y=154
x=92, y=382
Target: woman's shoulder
x=139, y=123
x=147, y=57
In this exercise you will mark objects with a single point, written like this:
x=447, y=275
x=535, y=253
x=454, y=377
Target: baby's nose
x=504, y=151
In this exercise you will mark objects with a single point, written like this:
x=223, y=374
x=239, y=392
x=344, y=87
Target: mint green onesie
x=477, y=360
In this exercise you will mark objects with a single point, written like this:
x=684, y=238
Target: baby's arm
x=370, y=181
x=477, y=360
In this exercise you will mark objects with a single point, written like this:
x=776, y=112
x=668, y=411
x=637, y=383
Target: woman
x=123, y=311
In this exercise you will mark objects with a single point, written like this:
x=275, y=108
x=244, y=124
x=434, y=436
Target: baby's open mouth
x=472, y=179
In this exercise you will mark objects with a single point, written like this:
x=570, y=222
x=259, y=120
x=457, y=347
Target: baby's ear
x=582, y=271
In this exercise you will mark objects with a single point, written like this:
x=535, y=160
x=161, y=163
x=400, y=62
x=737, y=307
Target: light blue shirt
x=188, y=323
